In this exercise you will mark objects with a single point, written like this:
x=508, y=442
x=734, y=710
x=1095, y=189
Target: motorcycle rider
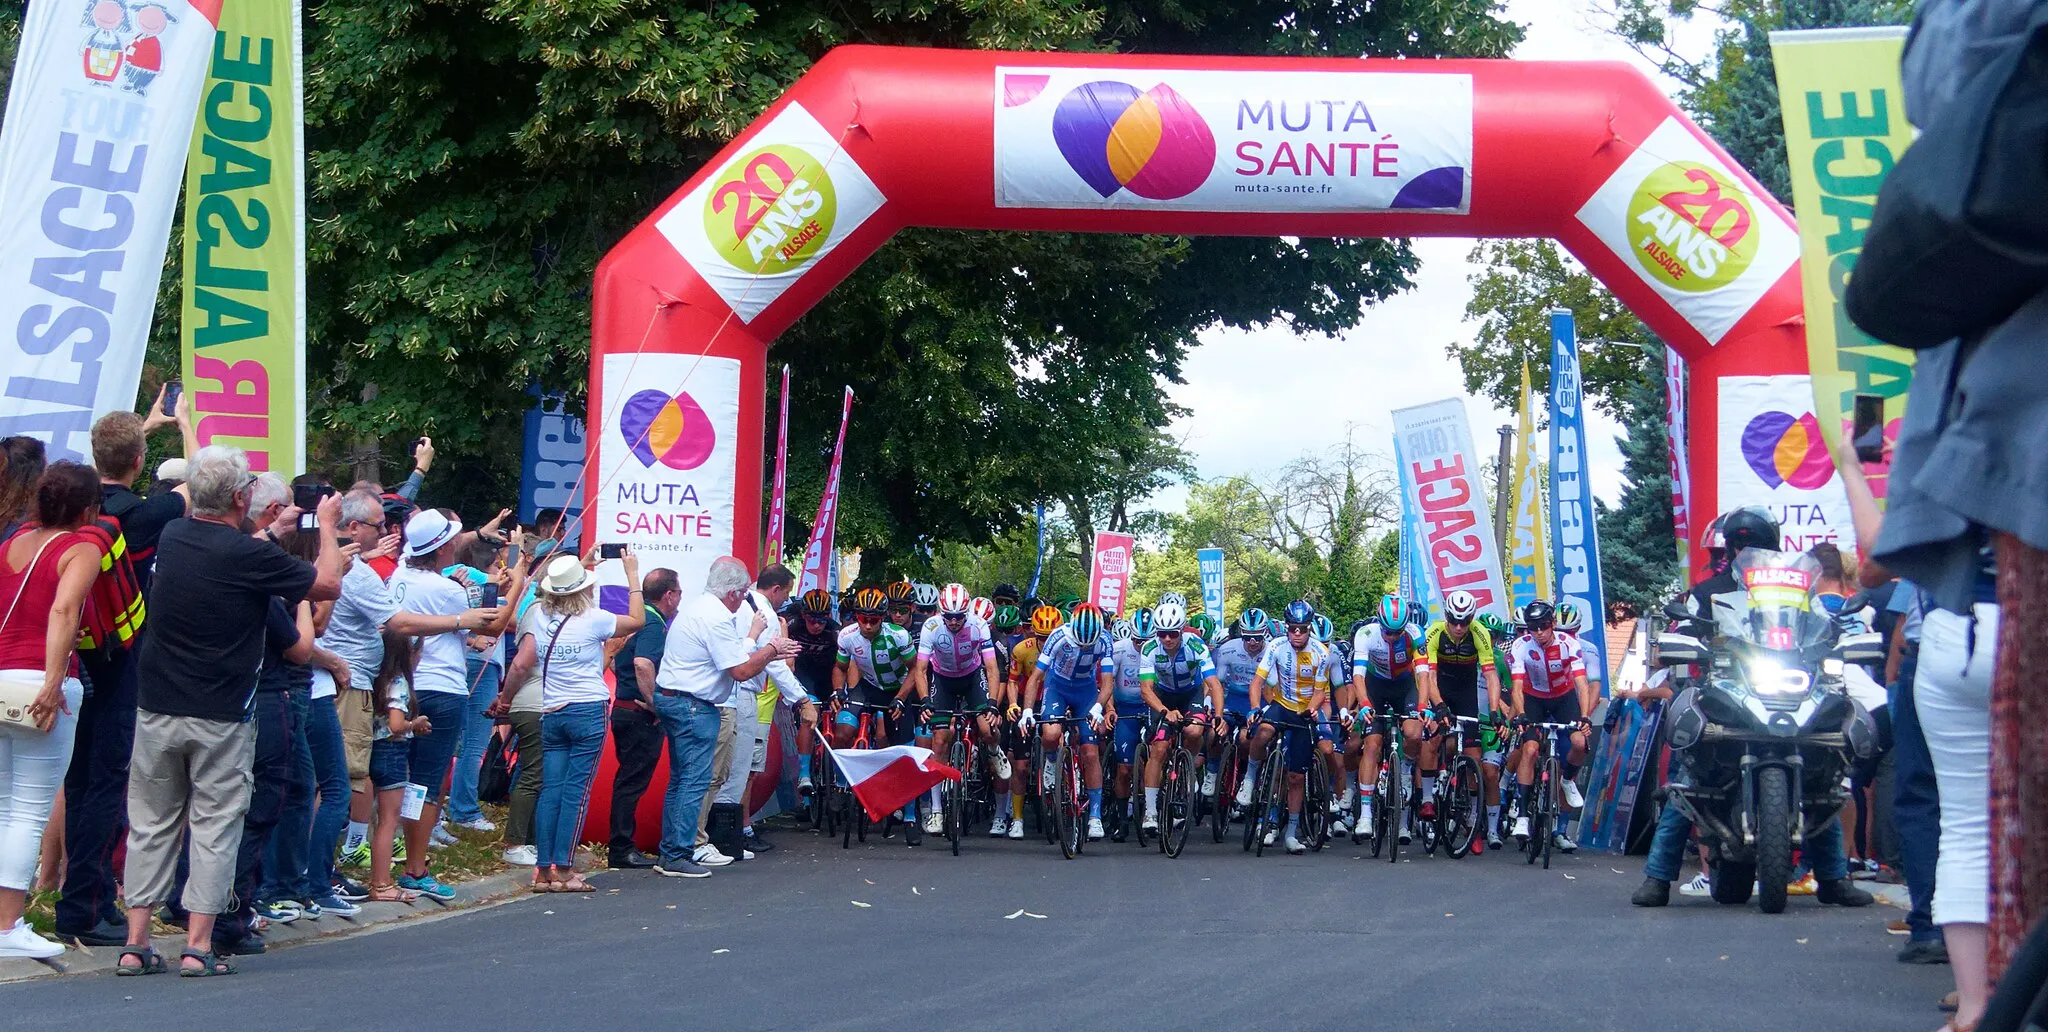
x=1748, y=527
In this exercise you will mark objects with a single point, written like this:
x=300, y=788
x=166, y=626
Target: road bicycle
x=971, y=798
x=848, y=813
x=1229, y=771
x=1069, y=798
x=1390, y=788
x=1458, y=803
x=1267, y=815
x=1180, y=778
x=1549, y=775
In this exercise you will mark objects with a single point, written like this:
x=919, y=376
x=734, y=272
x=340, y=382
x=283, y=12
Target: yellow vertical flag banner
x=1529, y=537
x=1845, y=125
x=243, y=347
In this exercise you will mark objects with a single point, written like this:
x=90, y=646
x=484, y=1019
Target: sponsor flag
x=1577, y=545
x=1109, y=574
x=818, y=554
x=1529, y=562
x=1845, y=125
x=1677, y=398
x=885, y=780
x=1772, y=455
x=1038, y=567
x=1413, y=583
x=1441, y=474
x=1209, y=561
x=551, y=465
x=667, y=459
x=773, y=552
x=243, y=345
x=99, y=114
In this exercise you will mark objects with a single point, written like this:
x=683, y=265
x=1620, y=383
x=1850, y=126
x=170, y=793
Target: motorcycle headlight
x=1768, y=677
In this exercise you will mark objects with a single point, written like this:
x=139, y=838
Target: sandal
x=212, y=965
x=147, y=961
x=542, y=885
x=389, y=892
x=576, y=884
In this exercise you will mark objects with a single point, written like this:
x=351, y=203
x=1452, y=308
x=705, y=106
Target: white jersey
x=956, y=655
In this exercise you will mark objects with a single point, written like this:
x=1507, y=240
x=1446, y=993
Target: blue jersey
x=1235, y=666
x=1131, y=669
x=1184, y=671
x=1071, y=668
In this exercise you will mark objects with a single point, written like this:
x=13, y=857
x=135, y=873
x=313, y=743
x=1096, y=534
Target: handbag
x=18, y=691
x=494, y=782
x=1959, y=238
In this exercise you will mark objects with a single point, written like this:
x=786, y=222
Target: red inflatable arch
x=875, y=139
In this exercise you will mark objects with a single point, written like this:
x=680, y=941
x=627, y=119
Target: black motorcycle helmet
x=1005, y=592
x=1539, y=614
x=1749, y=527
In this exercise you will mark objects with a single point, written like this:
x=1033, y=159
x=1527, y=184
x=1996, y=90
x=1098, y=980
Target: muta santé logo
x=770, y=211
x=1693, y=228
x=671, y=429
x=1151, y=143
x=1787, y=449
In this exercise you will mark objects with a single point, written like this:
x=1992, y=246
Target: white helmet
x=1121, y=630
x=1170, y=615
x=925, y=596
x=1460, y=606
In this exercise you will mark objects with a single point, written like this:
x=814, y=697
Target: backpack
x=114, y=610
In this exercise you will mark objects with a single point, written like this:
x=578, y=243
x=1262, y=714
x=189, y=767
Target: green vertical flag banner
x=1845, y=125
x=243, y=346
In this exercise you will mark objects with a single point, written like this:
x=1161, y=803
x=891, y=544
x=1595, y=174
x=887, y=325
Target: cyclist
x=1383, y=682
x=1074, y=669
x=1457, y=654
x=924, y=601
x=875, y=659
x=1236, y=661
x=1005, y=594
x=1335, y=753
x=1183, y=680
x=1297, y=675
x=817, y=637
x=956, y=670
x=1550, y=686
x=1023, y=657
x=902, y=610
x=1494, y=734
x=1569, y=620
x=1128, y=700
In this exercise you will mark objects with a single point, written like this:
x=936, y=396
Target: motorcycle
x=1764, y=726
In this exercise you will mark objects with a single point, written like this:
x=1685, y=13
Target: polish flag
x=886, y=779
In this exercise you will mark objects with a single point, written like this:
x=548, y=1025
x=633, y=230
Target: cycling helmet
x=1749, y=527
x=1173, y=596
x=817, y=602
x=1030, y=605
x=1006, y=617
x=870, y=602
x=1710, y=539
x=1085, y=625
x=1538, y=615
x=1395, y=612
x=1495, y=626
x=899, y=593
x=1170, y=616
x=1568, y=617
x=1298, y=612
x=1121, y=630
x=1252, y=623
x=1460, y=606
x=926, y=596
x=1321, y=629
x=1204, y=625
x=952, y=601
x=982, y=609
x=1004, y=591
x=1045, y=620
x=1144, y=623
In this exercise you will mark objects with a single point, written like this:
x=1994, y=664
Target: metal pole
x=1502, y=493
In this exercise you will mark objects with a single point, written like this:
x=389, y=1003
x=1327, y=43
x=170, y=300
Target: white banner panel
x=92, y=152
x=1233, y=141
x=666, y=458
x=1442, y=469
x=1772, y=455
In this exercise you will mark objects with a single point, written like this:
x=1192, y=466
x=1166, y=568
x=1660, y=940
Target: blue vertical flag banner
x=1210, y=562
x=553, y=460
x=1416, y=585
x=1574, y=541
x=1039, y=568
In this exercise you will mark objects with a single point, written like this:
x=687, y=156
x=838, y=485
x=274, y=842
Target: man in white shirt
x=731, y=782
x=706, y=655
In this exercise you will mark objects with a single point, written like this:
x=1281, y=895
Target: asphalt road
x=1215, y=939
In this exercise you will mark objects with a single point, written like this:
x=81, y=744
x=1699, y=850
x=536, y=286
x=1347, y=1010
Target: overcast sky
x=1401, y=342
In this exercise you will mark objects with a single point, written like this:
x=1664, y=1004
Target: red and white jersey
x=1546, y=672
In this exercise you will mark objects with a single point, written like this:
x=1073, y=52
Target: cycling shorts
x=900, y=729
x=1493, y=743
x=1130, y=730
x=1563, y=709
x=959, y=693
x=1294, y=728
x=1237, y=704
x=1182, y=701
x=1058, y=704
x=1390, y=695
x=1459, y=687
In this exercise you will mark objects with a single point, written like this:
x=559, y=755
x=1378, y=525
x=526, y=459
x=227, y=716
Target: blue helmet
x=1085, y=625
x=1142, y=623
x=1299, y=612
x=1395, y=613
x=1253, y=623
x=1321, y=629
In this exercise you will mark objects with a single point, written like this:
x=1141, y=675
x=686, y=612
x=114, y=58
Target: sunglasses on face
x=1296, y=629
x=1457, y=623
x=955, y=618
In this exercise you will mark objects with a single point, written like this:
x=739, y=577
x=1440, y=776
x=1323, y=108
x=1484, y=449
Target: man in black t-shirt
x=636, y=732
x=197, y=674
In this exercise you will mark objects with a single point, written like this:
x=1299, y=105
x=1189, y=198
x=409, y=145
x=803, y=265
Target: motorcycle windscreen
x=1781, y=612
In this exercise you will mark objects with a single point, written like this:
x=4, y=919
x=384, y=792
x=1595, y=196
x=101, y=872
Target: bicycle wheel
x=1460, y=813
x=1395, y=799
x=1177, y=803
x=1315, y=804
x=953, y=797
x=1271, y=795
x=1071, y=821
x=1552, y=777
x=1226, y=787
x=1045, y=799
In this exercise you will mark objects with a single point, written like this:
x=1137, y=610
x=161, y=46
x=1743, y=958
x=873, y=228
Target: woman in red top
x=46, y=569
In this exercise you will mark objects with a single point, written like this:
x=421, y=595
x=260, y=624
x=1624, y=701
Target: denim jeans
x=96, y=788
x=476, y=737
x=1916, y=806
x=692, y=728
x=330, y=777
x=432, y=752
x=572, y=739
x=284, y=860
x=1822, y=851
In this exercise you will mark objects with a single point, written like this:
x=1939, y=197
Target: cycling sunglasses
x=1299, y=628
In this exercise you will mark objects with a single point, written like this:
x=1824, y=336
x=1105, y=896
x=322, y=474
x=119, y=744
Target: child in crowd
x=389, y=775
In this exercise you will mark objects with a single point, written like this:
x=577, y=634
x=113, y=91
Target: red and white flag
x=773, y=552
x=1109, y=575
x=886, y=779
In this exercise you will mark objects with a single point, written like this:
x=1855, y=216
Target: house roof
x=1619, y=635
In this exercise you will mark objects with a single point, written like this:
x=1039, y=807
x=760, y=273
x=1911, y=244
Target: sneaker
x=427, y=886
x=1001, y=764
x=803, y=786
x=746, y=854
x=935, y=823
x=1572, y=797
x=1843, y=893
x=337, y=906
x=519, y=856
x=1493, y=840
x=1365, y=818
x=283, y=912
x=1407, y=836
x=478, y=823
x=310, y=909
x=1350, y=797
x=1805, y=886
x=709, y=856
x=1150, y=823
x=1272, y=836
x=1017, y=829
x=1095, y=832
x=1294, y=846
x=1698, y=886
x=1521, y=831
x=682, y=869
x=913, y=833
x=1000, y=826
x=441, y=838
x=1653, y=892
x=1339, y=805
x=355, y=856
x=349, y=890
x=1339, y=828
x=1244, y=793
x=1898, y=926
x=1478, y=847
x=397, y=849
x=1559, y=842
x=1209, y=784
x=22, y=941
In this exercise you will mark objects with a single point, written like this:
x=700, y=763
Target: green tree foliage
x=1638, y=554
x=1518, y=283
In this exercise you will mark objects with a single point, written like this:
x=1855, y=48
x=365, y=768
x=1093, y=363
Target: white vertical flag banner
x=1441, y=469
x=92, y=152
